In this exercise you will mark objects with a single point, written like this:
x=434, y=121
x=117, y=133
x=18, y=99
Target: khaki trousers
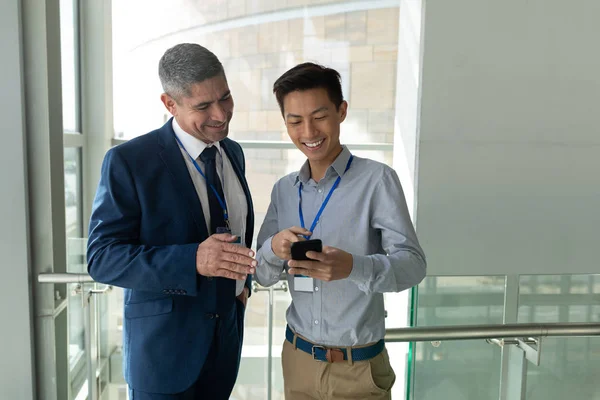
x=308, y=379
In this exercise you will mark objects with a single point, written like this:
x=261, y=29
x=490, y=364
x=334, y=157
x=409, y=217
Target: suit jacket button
x=210, y=315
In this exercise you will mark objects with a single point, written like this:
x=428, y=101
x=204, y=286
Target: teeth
x=315, y=144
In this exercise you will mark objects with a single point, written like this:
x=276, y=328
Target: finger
x=237, y=268
x=291, y=237
x=303, y=264
x=329, y=249
x=240, y=260
x=300, y=271
x=225, y=273
x=224, y=237
x=237, y=249
x=285, y=249
x=299, y=231
x=314, y=255
x=287, y=255
x=313, y=273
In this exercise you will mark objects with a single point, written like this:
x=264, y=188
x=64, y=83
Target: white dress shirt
x=235, y=198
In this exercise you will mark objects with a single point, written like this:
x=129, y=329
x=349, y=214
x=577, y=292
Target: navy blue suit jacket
x=145, y=228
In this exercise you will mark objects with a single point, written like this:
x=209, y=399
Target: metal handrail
x=470, y=332
x=67, y=277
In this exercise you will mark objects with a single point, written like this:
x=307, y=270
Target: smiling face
x=206, y=112
x=313, y=123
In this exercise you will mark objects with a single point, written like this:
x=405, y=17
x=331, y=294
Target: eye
x=321, y=117
x=226, y=97
x=294, y=123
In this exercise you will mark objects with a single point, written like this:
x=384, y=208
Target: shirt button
x=320, y=190
x=316, y=322
x=316, y=288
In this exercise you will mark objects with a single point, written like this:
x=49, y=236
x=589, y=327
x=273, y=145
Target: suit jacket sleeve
x=115, y=255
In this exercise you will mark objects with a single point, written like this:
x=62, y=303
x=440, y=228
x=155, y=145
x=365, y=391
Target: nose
x=309, y=128
x=218, y=113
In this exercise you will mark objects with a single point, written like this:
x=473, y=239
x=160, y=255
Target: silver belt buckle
x=313, y=351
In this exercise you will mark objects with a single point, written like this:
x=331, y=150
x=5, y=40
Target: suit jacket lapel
x=173, y=159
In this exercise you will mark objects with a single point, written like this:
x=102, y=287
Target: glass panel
x=252, y=383
x=458, y=370
x=252, y=379
x=568, y=365
x=69, y=64
x=73, y=210
x=110, y=339
x=281, y=302
x=75, y=255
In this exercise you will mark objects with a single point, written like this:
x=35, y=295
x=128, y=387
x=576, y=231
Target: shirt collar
x=192, y=145
x=338, y=166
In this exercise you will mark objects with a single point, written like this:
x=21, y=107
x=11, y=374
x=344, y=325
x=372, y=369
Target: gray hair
x=184, y=65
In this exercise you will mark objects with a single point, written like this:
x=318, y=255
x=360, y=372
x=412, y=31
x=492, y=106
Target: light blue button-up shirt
x=367, y=217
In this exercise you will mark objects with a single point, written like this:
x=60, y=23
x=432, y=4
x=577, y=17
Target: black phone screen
x=299, y=249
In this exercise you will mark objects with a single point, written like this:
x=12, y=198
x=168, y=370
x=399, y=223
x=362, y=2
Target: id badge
x=303, y=283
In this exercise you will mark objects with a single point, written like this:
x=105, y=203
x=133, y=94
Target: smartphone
x=299, y=249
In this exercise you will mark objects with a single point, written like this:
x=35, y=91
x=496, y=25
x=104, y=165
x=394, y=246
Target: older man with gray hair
x=172, y=223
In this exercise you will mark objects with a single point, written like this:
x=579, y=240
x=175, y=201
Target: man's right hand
x=281, y=244
x=218, y=257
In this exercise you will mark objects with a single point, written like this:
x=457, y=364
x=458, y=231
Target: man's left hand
x=243, y=297
x=330, y=265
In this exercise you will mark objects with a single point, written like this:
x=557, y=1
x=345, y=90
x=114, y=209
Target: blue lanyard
x=221, y=201
x=335, y=185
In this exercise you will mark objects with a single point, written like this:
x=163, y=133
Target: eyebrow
x=312, y=113
x=207, y=103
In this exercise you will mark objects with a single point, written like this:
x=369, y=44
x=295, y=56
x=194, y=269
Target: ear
x=170, y=103
x=343, y=111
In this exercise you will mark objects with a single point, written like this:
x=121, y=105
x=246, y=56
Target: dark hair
x=309, y=76
x=184, y=65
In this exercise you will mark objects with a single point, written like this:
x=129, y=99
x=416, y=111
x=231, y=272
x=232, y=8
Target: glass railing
x=467, y=369
x=462, y=347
